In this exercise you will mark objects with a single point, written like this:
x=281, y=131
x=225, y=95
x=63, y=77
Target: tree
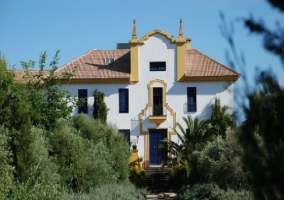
x=262, y=131
x=195, y=136
x=100, y=109
x=220, y=162
x=262, y=139
x=221, y=119
x=49, y=101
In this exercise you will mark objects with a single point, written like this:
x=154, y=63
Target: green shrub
x=118, y=148
x=6, y=168
x=220, y=162
x=75, y=156
x=109, y=192
x=85, y=163
x=211, y=192
x=178, y=175
x=42, y=179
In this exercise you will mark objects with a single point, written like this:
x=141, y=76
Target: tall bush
x=100, y=109
x=220, y=162
x=118, y=148
x=40, y=179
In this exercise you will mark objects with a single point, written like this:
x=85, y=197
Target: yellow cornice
x=232, y=78
x=98, y=80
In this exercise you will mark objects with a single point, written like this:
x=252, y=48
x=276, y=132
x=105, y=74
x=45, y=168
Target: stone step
x=158, y=180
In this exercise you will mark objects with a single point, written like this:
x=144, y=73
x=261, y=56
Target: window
x=123, y=100
x=109, y=60
x=157, y=101
x=191, y=99
x=126, y=134
x=83, y=93
x=157, y=66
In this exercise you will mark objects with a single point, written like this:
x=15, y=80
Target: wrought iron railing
x=158, y=110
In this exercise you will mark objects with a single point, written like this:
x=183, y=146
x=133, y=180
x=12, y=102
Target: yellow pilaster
x=134, y=59
x=180, y=54
x=133, y=156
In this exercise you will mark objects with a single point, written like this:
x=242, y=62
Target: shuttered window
x=191, y=99
x=123, y=100
x=83, y=93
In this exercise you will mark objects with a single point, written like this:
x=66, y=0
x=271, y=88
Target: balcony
x=158, y=114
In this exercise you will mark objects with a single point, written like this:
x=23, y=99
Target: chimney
x=187, y=44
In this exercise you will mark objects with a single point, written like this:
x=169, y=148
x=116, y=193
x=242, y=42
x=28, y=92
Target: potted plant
x=134, y=147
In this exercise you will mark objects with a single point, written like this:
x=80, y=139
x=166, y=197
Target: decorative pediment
x=157, y=31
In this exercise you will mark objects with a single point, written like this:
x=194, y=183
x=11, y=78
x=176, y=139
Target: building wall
x=156, y=48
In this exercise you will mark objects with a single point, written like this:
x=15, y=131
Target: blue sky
x=30, y=27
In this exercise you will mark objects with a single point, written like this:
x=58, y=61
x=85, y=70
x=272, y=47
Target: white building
x=150, y=84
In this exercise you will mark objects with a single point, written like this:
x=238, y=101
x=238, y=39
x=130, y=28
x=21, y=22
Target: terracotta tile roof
x=93, y=68
x=199, y=65
x=92, y=65
x=21, y=75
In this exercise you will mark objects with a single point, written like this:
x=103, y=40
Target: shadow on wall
x=135, y=126
x=206, y=111
x=203, y=88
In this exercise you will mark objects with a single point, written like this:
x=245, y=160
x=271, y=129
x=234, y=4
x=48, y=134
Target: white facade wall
x=156, y=48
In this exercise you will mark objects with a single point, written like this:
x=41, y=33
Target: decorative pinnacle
x=134, y=30
x=180, y=29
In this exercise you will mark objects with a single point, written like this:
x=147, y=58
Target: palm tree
x=193, y=137
x=221, y=118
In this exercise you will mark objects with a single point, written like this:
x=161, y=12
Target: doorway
x=156, y=136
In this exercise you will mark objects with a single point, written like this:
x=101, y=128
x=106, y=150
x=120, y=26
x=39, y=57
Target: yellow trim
x=157, y=31
x=158, y=119
x=180, y=61
x=99, y=80
x=134, y=63
x=232, y=78
x=133, y=156
x=134, y=51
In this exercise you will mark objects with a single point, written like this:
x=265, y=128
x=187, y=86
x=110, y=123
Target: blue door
x=156, y=135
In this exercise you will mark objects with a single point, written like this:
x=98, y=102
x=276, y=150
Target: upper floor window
x=123, y=100
x=109, y=60
x=191, y=99
x=157, y=66
x=83, y=93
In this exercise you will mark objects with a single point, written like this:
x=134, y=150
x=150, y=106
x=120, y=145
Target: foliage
x=82, y=164
x=220, y=162
x=221, y=119
x=178, y=175
x=117, y=146
x=49, y=101
x=109, y=191
x=100, y=109
x=137, y=174
x=199, y=132
x=37, y=176
x=262, y=139
x=6, y=168
x=211, y=192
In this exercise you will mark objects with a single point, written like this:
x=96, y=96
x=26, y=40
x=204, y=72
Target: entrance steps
x=158, y=180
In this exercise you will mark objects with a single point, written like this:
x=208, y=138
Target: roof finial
x=180, y=29
x=134, y=30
